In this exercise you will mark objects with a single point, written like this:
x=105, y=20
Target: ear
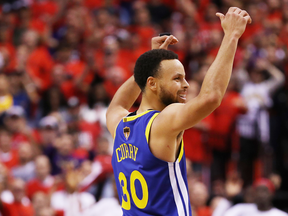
x=151, y=83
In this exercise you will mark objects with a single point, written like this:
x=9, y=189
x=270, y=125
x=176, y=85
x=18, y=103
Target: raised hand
x=162, y=42
x=234, y=21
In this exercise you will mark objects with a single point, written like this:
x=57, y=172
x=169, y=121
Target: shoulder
x=113, y=117
x=111, y=201
x=58, y=195
x=277, y=212
x=87, y=196
x=241, y=208
x=170, y=111
x=244, y=205
x=86, y=199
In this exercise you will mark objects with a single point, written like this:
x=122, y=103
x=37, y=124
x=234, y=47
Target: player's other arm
x=127, y=94
x=179, y=117
x=121, y=103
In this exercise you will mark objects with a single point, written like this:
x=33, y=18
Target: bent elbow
x=214, y=101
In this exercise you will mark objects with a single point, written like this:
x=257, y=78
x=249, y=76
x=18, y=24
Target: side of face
x=172, y=85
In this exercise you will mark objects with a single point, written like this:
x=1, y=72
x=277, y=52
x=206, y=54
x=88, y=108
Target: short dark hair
x=148, y=64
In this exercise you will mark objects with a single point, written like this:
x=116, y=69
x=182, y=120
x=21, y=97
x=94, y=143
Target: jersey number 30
x=140, y=203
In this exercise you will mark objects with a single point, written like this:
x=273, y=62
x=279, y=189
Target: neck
x=150, y=102
x=23, y=161
x=264, y=207
x=41, y=178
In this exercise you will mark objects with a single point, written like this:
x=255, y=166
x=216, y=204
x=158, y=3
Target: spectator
x=48, y=131
x=7, y=99
x=101, y=169
x=5, y=61
x=16, y=123
x=222, y=134
x=160, y=13
x=264, y=190
x=84, y=131
x=38, y=61
x=53, y=100
x=142, y=25
x=8, y=155
x=62, y=154
x=96, y=108
x=26, y=168
x=7, y=49
x=6, y=195
x=77, y=74
x=19, y=204
x=195, y=138
x=41, y=201
x=70, y=201
x=254, y=125
x=23, y=91
x=220, y=205
x=47, y=211
x=106, y=206
x=198, y=198
x=71, y=115
x=43, y=181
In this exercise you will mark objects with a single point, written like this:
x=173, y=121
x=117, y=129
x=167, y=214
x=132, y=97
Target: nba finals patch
x=126, y=132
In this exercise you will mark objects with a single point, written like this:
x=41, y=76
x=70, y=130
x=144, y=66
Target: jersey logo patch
x=126, y=132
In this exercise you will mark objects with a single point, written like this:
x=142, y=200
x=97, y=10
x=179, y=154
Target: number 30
x=140, y=203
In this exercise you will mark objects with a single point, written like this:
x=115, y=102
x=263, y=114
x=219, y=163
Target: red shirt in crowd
x=74, y=70
x=225, y=117
x=194, y=144
x=47, y=8
x=10, y=159
x=36, y=185
x=204, y=211
x=39, y=64
x=16, y=209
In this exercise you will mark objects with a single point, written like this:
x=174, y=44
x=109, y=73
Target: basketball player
x=148, y=156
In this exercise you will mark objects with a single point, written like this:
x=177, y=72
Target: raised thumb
x=220, y=15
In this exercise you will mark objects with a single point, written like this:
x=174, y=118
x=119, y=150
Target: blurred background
x=61, y=62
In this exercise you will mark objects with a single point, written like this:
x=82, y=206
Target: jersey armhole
x=147, y=134
x=148, y=127
x=114, y=135
x=181, y=151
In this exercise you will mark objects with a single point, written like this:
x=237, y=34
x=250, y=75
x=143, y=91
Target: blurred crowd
x=61, y=62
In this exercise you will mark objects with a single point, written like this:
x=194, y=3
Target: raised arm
x=277, y=78
x=129, y=91
x=178, y=117
x=121, y=103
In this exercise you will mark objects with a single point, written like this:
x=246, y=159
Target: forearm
x=126, y=95
x=217, y=78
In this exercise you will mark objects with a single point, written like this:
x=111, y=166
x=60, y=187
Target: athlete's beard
x=166, y=97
